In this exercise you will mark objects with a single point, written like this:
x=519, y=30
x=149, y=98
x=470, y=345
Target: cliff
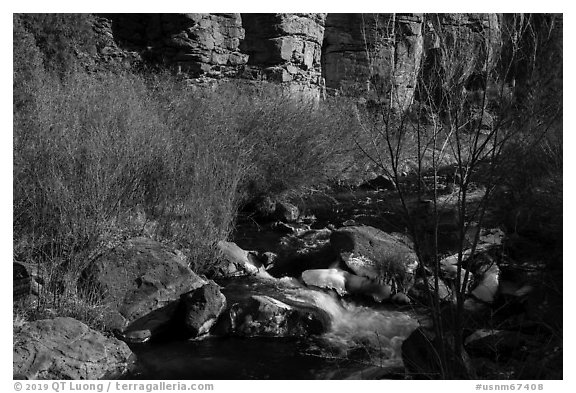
x=358, y=55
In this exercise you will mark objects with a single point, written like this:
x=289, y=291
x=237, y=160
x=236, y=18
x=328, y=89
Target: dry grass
x=102, y=157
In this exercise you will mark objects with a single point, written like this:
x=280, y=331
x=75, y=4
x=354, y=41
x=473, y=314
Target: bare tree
x=466, y=113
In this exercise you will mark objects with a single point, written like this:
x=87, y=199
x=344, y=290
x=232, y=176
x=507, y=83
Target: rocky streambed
x=300, y=297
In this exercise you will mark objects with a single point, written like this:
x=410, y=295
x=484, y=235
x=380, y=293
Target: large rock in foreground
x=265, y=316
x=64, y=348
x=202, y=307
x=136, y=278
x=371, y=253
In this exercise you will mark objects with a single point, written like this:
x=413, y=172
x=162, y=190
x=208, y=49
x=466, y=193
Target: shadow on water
x=246, y=358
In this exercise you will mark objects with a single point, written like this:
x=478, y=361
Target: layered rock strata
x=373, y=56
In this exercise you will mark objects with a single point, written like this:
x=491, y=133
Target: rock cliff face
x=285, y=48
x=362, y=52
x=351, y=54
x=197, y=44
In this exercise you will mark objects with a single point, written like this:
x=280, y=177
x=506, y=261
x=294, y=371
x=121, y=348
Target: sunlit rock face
x=198, y=44
x=362, y=53
x=371, y=56
x=64, y=348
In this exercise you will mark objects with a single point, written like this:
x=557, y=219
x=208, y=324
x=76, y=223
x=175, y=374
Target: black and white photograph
x=204, y=197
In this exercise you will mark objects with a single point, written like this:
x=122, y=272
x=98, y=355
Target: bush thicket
x=100, y=157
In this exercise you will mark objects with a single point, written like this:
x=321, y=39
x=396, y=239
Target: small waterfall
x=376, y=332
x=362, y=342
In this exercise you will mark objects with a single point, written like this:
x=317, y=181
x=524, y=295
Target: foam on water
x=379, y=331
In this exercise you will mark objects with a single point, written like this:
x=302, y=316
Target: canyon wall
x=312, y=55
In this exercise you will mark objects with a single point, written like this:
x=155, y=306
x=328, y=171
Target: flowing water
x=363, y=340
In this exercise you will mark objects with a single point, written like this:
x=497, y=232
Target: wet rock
x=265, y=316
x=286, y=212
x=64, y=348
x=136, y=278
x=202, y=307
x=491, y=236
x=449, y=269
x=240, y=262
x=487, y=288
x=327, y=278
x=371, y=253
x=268, y=259
x=282, y=227
x=344, y=283
x=304, y=250
x=357, y=285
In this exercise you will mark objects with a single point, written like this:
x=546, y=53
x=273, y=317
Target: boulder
x=327, y=278
x=202, y=307
x=357, y=285
x=282, y=227
x=64, y=348
x=449, y=269
x=269, y=258
x=136, y=278
x=157, y=323
x=286, y=212
x=491, y=236
x=265, y=316
x=240, y=262
x=371, y=253
x=305, y=249
x=344, y=283
x=487, y=288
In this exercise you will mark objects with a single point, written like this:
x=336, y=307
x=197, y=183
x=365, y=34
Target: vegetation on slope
x=102, y=156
